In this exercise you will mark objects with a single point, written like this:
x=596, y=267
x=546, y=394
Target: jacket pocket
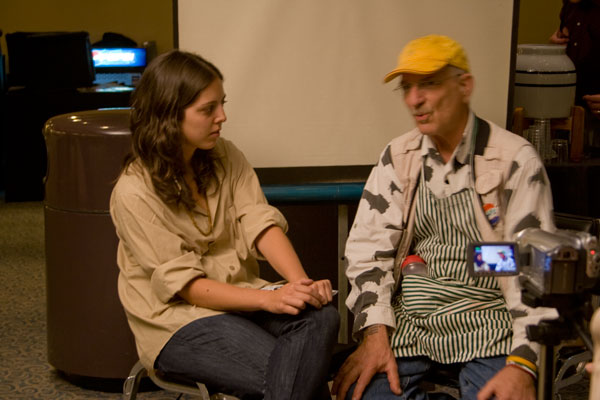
x=237, y=234
x=487, y=182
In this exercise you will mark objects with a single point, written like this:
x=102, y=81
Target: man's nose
x=413, y=96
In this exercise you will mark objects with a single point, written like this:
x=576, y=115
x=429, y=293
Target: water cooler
x=544, y=97
x=88, y=335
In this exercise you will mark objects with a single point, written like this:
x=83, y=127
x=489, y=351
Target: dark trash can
x=88, y=334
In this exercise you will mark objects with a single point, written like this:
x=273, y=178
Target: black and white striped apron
x=448, y=315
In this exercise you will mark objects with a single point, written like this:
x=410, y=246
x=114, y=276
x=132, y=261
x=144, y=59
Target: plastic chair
x=132, y=383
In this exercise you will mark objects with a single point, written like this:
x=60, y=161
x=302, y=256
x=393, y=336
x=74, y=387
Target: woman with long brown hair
x=192, y=221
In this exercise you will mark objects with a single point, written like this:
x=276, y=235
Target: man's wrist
x=523, y=364
x=372, y=330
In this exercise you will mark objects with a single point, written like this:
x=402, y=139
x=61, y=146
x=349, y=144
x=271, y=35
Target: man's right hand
x=372, y=356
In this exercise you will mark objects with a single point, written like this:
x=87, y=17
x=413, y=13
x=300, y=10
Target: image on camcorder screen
x=494, y=258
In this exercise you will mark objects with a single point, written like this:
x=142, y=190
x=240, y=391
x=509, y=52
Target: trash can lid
x=102, y=122
x=85, y=152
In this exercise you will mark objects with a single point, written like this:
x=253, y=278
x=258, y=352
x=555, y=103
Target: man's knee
x=379, y=389
x=476, y=373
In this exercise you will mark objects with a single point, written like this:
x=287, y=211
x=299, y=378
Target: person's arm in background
x=561, y=35
x=593, y=101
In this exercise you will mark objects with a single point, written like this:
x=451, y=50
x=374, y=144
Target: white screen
x=304, y=78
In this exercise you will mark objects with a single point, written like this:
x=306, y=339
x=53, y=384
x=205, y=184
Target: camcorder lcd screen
x=493, y=258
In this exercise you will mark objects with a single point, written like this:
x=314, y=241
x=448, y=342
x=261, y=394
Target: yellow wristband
x=522, y=361
x=523, y=364
x=522, y=368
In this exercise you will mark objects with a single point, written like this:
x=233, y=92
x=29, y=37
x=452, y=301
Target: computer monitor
x=123, y=65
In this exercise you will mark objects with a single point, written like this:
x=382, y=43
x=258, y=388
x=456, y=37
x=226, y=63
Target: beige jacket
x=160, y=249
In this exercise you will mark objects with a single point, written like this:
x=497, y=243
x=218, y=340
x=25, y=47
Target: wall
x=538, y=19
x=140, y=20
x=144, y=20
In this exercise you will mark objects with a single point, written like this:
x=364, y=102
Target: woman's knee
x=327, y=319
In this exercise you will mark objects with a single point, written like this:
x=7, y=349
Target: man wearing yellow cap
x=454, y=179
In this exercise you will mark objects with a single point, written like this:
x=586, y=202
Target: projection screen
x=304, y=78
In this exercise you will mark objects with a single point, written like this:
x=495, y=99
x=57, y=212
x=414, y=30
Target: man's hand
x=560, y=37
x=372, y=356
x=510, y=383
x=593, y=101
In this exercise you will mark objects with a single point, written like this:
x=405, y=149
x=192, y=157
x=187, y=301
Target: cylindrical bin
x=88, y=334
x=544, y=81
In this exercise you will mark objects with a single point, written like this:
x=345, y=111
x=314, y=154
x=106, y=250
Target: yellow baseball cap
x=429, y=54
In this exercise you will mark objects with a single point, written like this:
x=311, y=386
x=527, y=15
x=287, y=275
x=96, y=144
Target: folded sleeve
x=162, y=254
x=251, y=211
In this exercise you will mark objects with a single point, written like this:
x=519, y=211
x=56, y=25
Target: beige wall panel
x=304, y=77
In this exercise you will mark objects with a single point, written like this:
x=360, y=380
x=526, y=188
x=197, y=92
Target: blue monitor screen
x=119, y=57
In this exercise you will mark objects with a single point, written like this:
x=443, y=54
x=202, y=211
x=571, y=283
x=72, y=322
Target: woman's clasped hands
x=293, y=297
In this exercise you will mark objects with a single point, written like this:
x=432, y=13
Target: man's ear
x=466, y=84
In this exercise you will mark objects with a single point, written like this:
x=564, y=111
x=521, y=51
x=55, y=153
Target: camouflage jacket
x=509, y=175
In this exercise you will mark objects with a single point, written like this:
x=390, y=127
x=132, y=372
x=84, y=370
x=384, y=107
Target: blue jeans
x=256, y=355
x=473, y=376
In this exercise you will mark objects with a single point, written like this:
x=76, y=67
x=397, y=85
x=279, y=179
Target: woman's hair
x=171, y=83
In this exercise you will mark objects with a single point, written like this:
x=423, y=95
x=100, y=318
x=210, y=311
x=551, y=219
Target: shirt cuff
x=373, y=315
x=169, y=278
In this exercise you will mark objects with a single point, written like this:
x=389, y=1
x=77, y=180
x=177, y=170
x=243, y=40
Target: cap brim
x=420, y=70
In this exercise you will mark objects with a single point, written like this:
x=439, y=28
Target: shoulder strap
x=482, y=135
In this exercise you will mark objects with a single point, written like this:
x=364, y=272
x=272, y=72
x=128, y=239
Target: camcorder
x=549, y=264
x=556, y=269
